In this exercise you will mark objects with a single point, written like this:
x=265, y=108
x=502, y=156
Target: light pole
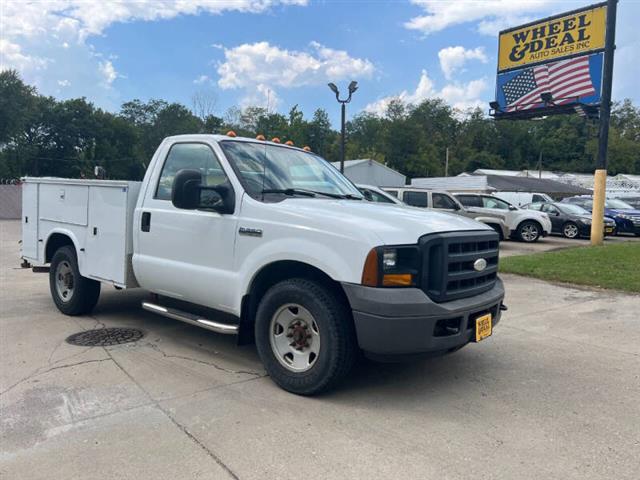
x=353, y=86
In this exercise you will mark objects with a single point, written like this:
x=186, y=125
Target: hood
x=392, y=224
x=615, y=211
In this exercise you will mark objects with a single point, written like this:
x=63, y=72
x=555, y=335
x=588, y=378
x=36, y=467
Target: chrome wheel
x=570, y=230
x=64, y=281
x=295, y=337
x=529, y=232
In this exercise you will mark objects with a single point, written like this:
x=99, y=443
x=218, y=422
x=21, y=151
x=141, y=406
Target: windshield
x=572, y=209
x=274, y=169
x=619, y=204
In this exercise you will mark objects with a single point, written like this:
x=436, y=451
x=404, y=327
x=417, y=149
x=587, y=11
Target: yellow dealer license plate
x=483, y=327
x=608, y=229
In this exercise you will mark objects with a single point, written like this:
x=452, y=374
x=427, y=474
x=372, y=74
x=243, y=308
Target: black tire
x=85, y=292
x=338, y=351
x=567, y=226
x=526, y=231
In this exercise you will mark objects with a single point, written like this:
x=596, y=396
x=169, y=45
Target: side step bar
x=185, y=317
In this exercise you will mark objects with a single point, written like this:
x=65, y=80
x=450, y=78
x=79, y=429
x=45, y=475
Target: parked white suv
x=445, y=202
x=525, y=225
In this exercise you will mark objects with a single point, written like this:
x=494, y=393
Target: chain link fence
x=10, y=199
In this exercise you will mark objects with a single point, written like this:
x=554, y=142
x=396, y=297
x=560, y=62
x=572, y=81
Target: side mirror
x=367, y=195
x=188, y=193
x=511, y=207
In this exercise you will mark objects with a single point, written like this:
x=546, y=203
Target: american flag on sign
x=566, y=81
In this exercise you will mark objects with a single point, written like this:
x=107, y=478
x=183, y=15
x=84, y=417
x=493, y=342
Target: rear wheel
x=304, y=336
x=529, y=231
x=570, y=230
x=72, y=293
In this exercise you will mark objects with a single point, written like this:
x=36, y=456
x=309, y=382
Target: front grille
x=448, y=264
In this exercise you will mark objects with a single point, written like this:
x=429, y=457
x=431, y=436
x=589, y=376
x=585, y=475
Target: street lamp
x=353, y=86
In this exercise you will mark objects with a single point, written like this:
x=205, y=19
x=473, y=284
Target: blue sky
x=277, y=53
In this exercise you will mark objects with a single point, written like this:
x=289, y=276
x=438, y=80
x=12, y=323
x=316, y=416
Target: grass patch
x=610, y=266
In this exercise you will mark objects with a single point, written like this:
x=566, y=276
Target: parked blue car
x=626, y=217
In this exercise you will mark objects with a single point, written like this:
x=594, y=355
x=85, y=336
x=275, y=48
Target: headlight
x=396, y=266
x=586, y=221
x=624, y=216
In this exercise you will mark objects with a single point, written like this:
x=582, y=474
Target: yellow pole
x=597, y=214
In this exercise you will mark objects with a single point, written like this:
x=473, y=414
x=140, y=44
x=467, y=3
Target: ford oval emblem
x=479, y=265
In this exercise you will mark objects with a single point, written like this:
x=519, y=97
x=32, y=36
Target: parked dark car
x=570, y=220
x=626, y=217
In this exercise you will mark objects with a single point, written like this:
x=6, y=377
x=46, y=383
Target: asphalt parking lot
x=554, y=394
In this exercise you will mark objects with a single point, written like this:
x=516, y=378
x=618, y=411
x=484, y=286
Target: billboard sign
x=551, y=66
x=566, y=35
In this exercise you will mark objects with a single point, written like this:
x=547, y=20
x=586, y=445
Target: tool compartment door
x=105, y=252
x=30, y=220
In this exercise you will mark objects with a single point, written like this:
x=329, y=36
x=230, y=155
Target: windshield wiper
x=349, y=196
x=290, y=191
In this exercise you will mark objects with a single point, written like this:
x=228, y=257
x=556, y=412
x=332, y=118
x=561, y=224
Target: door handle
x=145, y=224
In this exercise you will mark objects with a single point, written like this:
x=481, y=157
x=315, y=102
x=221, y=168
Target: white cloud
x=264, y=66
x=454, y=58
x=51, y=36
x=439, y=15
x=202, y=79
x=64, y=83
x=461, y=96
x=108, y=72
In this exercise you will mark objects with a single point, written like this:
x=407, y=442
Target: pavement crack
x=156, y=348
x=172, y=419
x=40, y=371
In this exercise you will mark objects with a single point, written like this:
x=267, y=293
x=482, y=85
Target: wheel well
x=531, y=220
x=56, y=241
x=268, y=276
x=497, y=228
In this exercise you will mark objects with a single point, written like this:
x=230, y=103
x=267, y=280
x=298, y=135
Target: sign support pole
x=600, y=176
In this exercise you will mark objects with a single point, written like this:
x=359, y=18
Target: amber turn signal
x=370, y=270
x=397, y=280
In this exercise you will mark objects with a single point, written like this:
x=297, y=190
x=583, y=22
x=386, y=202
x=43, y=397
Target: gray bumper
x=398, y=321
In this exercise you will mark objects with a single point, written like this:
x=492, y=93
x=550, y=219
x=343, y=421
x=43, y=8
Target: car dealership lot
x=555, y=393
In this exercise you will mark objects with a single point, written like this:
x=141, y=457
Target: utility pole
x=600, y=175
x=540, y=165
x=446, y=163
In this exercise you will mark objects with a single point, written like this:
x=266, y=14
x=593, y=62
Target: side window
x=392, y=192
x=469, y=200
x=538, y=198
x=379, y=198
x=549, y=209
x=440, y=200
x=533, y=206
x=195, y=156
x=416, y=199
x=493, y=202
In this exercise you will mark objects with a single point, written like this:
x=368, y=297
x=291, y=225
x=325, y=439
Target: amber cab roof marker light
x=275, y=140
x=289, y=142
x=261, y=138
x=231, y=133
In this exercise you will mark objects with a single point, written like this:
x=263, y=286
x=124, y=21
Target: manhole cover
x=104, y=337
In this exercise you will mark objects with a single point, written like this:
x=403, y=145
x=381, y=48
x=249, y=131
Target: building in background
x=500, y=183
x=369, y=172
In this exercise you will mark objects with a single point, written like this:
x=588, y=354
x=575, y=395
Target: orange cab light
x=231, y=133
x=275, y=140
x=370, y=270
x=261, y=137
x=289, y=142
x=397, y=280
x=306, y=148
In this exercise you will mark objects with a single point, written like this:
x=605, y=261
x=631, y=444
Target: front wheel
x=72, y=293
x=304, y=336
x=529, y=231
x=570, y=230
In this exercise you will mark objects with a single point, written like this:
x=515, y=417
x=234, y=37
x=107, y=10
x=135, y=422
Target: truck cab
x=280, y=249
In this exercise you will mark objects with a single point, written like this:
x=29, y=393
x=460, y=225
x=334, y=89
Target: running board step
x=185, y=317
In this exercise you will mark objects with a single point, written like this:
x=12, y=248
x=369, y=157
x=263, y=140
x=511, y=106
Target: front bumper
x=401, y=321
x=624, y=225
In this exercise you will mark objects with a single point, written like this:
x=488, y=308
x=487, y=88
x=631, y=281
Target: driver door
x=555, y=217
x=186, y=254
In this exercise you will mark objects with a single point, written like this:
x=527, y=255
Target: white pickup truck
x=276, y=242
